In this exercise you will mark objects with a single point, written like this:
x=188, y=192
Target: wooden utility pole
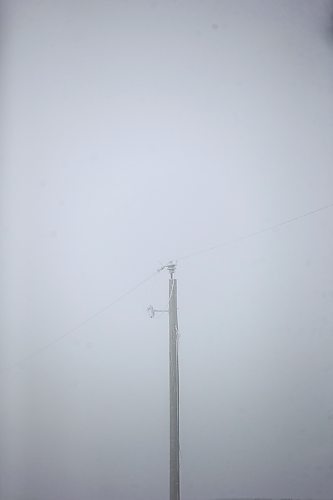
x=173, y=380
x=173, y=386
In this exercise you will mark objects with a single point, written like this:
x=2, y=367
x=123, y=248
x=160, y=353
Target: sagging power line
x=77, y=327
x=196, y=253
x=255, y=233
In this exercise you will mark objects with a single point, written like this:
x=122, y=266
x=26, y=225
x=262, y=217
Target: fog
x=135, y=132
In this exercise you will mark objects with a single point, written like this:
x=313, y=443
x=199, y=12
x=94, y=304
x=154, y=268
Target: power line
x=50, y=344
x=255, y=233
x=43, y=348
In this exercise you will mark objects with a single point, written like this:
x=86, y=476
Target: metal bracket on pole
x=152, y=311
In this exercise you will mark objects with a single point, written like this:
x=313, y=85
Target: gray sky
x=139, y=131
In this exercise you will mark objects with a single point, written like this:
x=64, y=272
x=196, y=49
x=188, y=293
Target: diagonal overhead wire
x=131, y=290
x=90, y=318
x=255, y=233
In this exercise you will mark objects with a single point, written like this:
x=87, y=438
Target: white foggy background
x=139, y=131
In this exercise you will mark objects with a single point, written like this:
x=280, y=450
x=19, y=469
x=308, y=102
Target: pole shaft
x=174, y=391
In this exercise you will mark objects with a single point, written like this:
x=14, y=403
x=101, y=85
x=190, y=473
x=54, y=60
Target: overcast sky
x=135, y=132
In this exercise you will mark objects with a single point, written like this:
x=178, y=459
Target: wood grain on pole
x=174, y=392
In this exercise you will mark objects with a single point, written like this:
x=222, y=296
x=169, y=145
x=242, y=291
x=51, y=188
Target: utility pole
x=174, y=475
x=173, y=386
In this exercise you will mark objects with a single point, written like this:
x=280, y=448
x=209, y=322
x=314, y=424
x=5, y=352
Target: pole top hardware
x=170, y=266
